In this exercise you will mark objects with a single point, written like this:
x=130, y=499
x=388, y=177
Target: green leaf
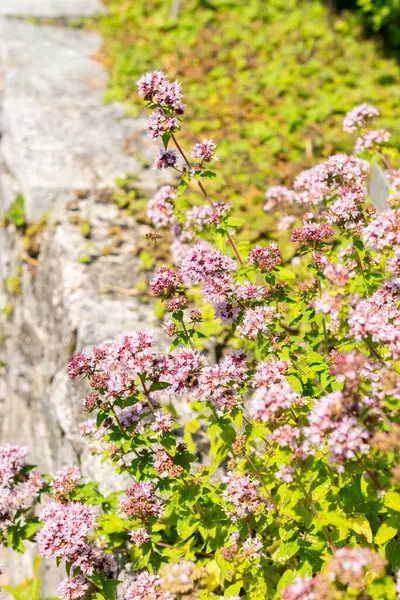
x=295, y=383
x=360, y=524
x=287, y=578
x=392, y=500
x=385, y=533
x=186, y=528
x=286, y=550
x=233, y=590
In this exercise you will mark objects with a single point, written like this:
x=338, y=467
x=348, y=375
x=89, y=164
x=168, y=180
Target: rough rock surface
x=50, y=8
x=57, y=134
x=58, y=137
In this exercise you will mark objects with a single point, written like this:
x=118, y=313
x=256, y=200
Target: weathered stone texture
x=51, y=8
x=57, y=137
x=57, y=134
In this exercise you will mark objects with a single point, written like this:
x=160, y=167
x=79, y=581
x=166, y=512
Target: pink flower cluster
x=371, y=139
x=265, y=259
x=160, y=124
x=351, y=565
x=256, y=321
x=243, y=494
x=268, y=402
x=139, y=536
x=383, y=231
x=332, y=421
x=360, y=117
x=64, y=536
x=165, y=159
x=311, y=233
x=202, y=262
x=220, y=384
x=160, y=209
x=147, y=587
x=73, y=588
x=65, y=480
x=18, y=487
x=141, y=502
x=309, y=588
x=155, y=87
x=204, y=151
x=377, y=317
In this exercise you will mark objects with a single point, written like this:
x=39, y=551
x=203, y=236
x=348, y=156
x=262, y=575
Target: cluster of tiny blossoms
x=19, y=486
x=295, y=390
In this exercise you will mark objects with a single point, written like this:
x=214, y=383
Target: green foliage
x=382, y=16
x=28, y=589
x=265, y=91
x=13, y=283
x=16, y=213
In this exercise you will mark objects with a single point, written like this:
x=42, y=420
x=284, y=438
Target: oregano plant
x=260, y=451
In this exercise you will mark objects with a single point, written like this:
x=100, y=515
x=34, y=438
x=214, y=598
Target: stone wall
x=58, y=137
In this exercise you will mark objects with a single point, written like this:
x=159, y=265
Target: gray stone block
x=46, y=62
x=57, y=134
x=51, y=8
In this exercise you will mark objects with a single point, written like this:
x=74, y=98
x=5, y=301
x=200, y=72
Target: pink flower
x=383, y=231
x=285, y=473
x=141, y=502
x=315, y=588
x=378, y=317
x=371, y=139
x=165, y=159
x=268, y=402
x=150, y=83
x=164, y=463
x=204, y=151
x=88, y=427
x=311, y=233
x=265, y=259
x=203, y=261
x=139, y=536
x=270, y=372
x=346, y=440
x=346, y=208
x=165, y=281
x=170, y=328
x=183, y=370
x=219, y=384
x=351, y=565
x=169, y=96
x=248, y=291
x=160, y=209
x=162, y=422
x=176, y=303
x=63, y=536
x=80, y=364
x=359, y=117
x=243, y=494
x=217, y=288
x=286, y=436
x=159, y=124
x=256, y=320
x=252, y=548
x=73, y=588
x=66, y=479
x=147, y=587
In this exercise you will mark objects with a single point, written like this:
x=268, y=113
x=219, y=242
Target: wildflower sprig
x=261, y=462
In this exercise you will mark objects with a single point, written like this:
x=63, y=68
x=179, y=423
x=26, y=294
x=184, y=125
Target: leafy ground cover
x=263, y=79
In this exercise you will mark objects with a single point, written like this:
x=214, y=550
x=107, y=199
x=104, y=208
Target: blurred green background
x=268, y=80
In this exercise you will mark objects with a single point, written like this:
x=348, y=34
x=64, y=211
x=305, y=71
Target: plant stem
x=207, y=197
x=326, y=340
